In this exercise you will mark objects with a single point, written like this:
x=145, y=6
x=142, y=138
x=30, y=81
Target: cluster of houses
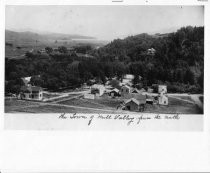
x=133, y=98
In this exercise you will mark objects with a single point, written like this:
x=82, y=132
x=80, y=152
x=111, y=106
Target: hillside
x=178, y=58
x=31, y=37
x=175, y=59
x=17, y=43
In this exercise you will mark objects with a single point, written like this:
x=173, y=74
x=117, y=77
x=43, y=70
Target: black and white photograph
x=104, y=86
x=104, y=60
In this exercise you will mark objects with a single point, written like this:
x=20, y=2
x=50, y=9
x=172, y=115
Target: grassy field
x=56, y=109
x=83, y=103
x=14, y=104
x=185, y=98
x=175, y=106
x=109, y=102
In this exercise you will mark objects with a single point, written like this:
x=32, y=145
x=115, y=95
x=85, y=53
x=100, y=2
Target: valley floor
x=182, y=104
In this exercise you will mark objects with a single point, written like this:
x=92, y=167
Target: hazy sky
x=103, y=22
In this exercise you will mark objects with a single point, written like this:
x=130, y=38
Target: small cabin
x=134, y=104
x=114, y=92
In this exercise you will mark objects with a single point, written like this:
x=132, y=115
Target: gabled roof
x=138, y=102
x=141, y=98
x=132, y=100
x=135, y=90
x=115, y=90
x=142, y=90
x=126, y=86
x=26, y=80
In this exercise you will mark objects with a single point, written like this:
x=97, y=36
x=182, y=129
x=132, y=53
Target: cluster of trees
x=178, y=62
x=178, y=59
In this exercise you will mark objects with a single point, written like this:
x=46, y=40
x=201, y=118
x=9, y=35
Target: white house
x=31, y=93
x=151, y=51
x=97, y=89
x=162, y=89
x=163, y=99
x=128, y=79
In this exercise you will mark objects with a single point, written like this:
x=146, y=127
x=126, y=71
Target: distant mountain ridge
x=28, y=36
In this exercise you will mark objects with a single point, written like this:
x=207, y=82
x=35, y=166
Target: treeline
x=178, y=61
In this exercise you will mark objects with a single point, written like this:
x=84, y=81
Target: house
x=114, y=92
x=162, y=89
x=163, y=99
x=136, y=103
x=97, y=89
x=31, y=93
x=125, y=90
x=151, y=51
x=128, y=79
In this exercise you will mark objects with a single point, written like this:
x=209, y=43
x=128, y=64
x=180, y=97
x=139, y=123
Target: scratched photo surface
x=113, y=62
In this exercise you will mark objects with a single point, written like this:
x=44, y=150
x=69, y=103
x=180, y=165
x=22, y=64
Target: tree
x=115, y=83
x=136, y=80
x=189, y=77
x=200, y=80
x=62, y=49
x=36, y=81
x=48, y=50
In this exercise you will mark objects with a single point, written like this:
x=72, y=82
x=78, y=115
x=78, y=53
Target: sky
x=103, y=22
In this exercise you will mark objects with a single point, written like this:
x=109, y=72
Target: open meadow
x=181, y=105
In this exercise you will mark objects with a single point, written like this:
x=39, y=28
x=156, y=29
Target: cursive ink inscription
x=129, y=119
x=62, y=116
x=174, y=117
x=142, y=118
